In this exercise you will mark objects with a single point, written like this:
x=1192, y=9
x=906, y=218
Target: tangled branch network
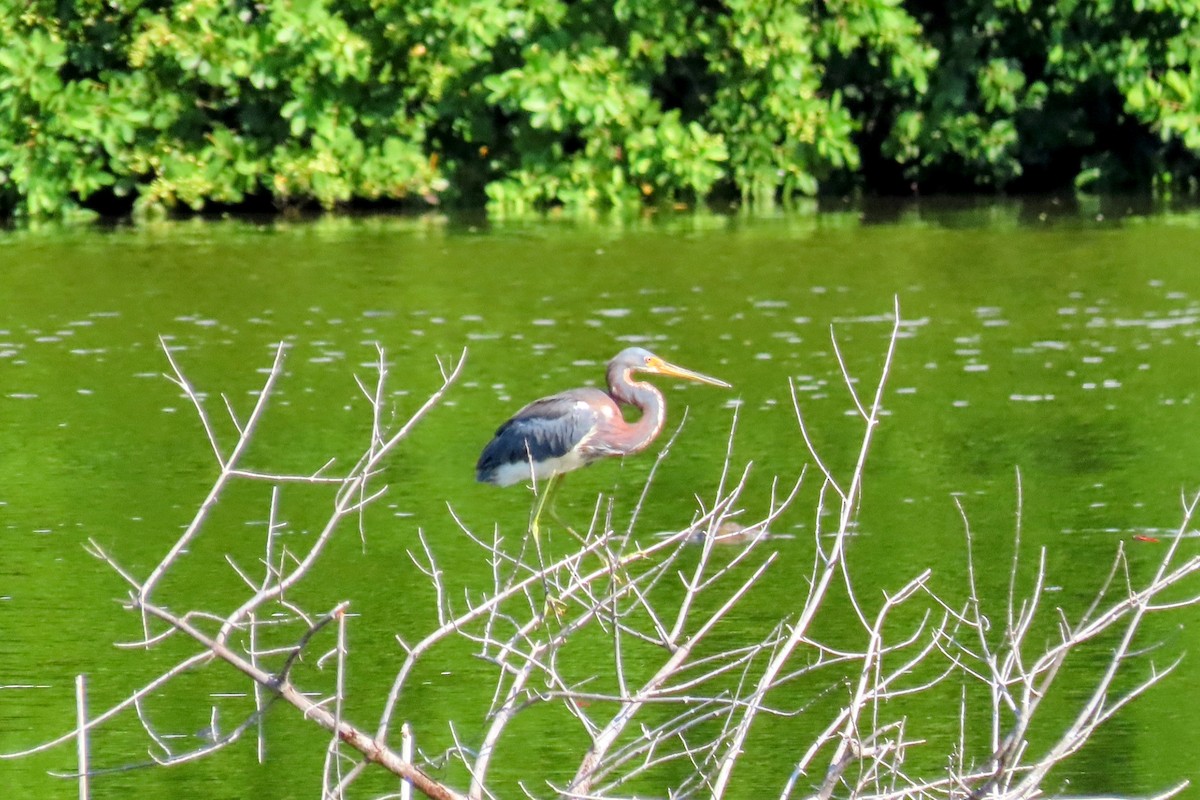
x=671, y=705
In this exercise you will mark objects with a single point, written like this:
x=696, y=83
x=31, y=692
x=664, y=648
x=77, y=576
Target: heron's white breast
x=516, y=471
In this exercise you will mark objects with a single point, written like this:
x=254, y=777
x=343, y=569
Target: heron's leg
x=554, y=606
x=543, y=499
x=552, y=508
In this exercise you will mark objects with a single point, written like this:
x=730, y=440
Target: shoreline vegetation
x=675, y=697
x=151, y=108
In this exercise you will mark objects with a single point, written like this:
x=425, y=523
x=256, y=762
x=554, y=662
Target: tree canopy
x=152, y=105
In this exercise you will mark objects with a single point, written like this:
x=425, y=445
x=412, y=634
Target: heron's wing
x=545, y=429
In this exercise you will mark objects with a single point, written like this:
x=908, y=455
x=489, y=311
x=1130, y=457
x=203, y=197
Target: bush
x=186, y=103
x=1042, y=95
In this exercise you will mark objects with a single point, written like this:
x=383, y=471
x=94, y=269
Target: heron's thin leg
x=541, y=565
x=553, y=605
x=543, y=498
x=552, y=508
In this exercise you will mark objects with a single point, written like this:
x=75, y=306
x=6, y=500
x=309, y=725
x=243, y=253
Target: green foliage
x=1104, y=95
x=153, y=105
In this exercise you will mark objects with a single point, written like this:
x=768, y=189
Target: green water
x=1062, y=344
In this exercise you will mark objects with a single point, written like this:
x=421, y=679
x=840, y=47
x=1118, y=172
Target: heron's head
x=639, y=359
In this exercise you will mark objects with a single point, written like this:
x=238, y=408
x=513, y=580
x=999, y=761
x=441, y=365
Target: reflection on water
x=1060, y=341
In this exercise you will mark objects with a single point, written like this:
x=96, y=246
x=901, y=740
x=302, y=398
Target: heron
x=575, y=428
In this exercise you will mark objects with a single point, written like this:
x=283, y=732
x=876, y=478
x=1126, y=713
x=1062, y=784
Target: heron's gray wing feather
x=544, y=429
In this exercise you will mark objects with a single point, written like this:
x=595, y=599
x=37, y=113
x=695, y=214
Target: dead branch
x=668, y=690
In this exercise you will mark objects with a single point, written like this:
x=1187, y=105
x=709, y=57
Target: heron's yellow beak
x=660, y=367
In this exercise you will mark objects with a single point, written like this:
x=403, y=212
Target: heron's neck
x=649, y=401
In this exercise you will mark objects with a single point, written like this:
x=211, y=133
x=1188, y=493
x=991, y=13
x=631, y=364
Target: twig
x=82, y=736
x=817, y=593
x=226, y=464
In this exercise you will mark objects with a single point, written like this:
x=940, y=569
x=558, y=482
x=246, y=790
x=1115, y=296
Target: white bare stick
x=581, y=784
x=862, y=412
x=367, y=745
x=727, y=462
x=500, y=719
x=81, y=742
x=271, y=477
x=1096, y=709
x=817, y=593
x=333, y=753
x=344, y=505
x=226, y=464
x=650, y=605
x=180, y=380
x=275, y=581
x=215, y=740
x=489, y=605
x=695, y=584
x=658, y=460
x=146, y=689
x=871, y=686
x=830, y=480
x=1016, y=559
x=406, y=752
x=273, y=526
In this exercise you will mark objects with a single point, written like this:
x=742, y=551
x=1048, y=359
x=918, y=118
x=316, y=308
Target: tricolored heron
x=572, y=429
